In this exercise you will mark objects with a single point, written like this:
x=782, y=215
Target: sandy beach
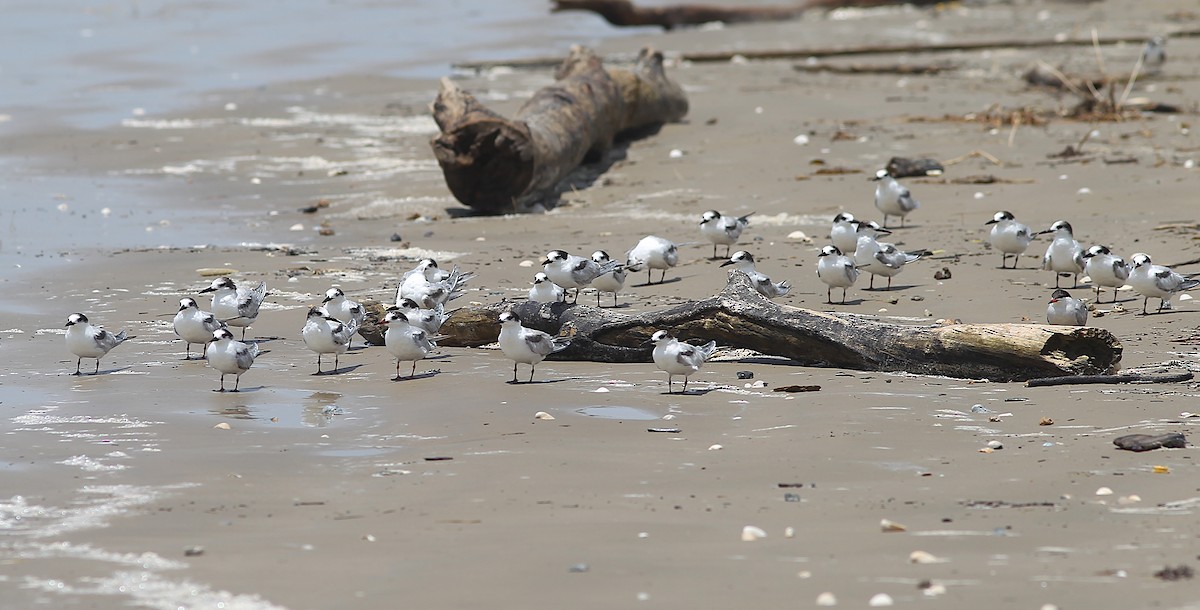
x=141, y=487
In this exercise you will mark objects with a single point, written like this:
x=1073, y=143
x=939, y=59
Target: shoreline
x=334, y=491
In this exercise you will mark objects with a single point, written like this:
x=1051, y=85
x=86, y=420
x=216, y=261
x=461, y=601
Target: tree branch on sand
x=624, y=13
x=495, y=164
x=739, y=317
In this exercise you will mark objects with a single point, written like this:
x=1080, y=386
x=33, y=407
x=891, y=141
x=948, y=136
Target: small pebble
x=944, y=274
x=790, y=497
x=1046, y=421
x=396, y=237
x=980, y=409
x=995, y=445
x=745, y=374
x=193, y=551
x=578, y=568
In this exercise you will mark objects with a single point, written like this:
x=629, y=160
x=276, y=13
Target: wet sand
x=355, y=491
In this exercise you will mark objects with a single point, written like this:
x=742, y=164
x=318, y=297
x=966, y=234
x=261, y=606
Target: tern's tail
x=1188, y=285
x=560, y=344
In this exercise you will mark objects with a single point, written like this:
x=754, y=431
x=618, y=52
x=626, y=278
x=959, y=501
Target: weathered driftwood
x=495, y=164
x=739, y=317
x=624, y=13
x=1084, y=379
x=869, y=48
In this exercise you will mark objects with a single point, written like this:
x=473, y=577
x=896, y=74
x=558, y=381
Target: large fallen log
x=495, y=164
x=623, y=13
x=739, y=317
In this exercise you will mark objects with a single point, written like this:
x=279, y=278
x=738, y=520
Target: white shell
x=751, y=533
x=223, y=426
x=995, y=445
x=924, y=557
x=880, y=600
x=935, y=589
x=715, y=447
x=542, y=415
x=891, y=526
x=789, y=532
x=826, y=599
x=1104, y=491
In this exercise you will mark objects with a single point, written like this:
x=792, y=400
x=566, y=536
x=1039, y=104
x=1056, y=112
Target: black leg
x=318, y=363
x=78, y=363
x=843, y=296
x=829, y=295
x=397, y=377
x=414, y=370
x=514, y=372
x=243, y=333
x=236, y=381
x=222, y=388
x=685, y=378
x=531, y=368
x=97, y=371
x=335, y=361
x=872, y=286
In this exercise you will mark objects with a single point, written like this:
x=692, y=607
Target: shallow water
x=70, y=64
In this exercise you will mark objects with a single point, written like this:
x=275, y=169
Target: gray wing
x=538, y=342
x=341, y=333
x=422, y=340
x=887, y=257
x=1120, y=269
x=211, y=323
x=106, y=340
x=1080, y=313
x=244, y=356
x=686, y=355
x=249, y=303
x=1167, y=280
x=906, y=200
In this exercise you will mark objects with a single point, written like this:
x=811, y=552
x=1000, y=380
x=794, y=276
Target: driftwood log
x=624, y=13
x=495, y=164
x=739, y=317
